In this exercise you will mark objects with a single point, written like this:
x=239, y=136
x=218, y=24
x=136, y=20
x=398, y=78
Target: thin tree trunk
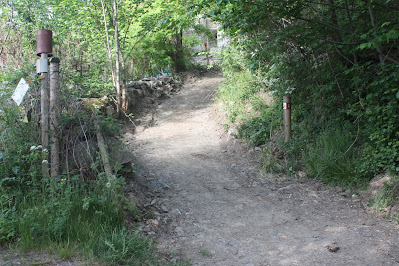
x=379, y=51
x=117, y=63
x=334, y=20
x=355, y=58
x=124, y=80
x=132, y=68
x=108, y=44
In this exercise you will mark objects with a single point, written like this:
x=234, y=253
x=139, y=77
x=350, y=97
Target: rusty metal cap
x=44, y=42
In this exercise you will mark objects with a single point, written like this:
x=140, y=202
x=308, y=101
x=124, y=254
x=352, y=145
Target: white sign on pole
x=20, y=91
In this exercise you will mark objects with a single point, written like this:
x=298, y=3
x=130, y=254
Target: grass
x=333, y=159
x=387, y=196
x=76, y=219
x=206, y=253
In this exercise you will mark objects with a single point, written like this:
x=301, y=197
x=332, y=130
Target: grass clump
x=332, y=159
x=387, y=196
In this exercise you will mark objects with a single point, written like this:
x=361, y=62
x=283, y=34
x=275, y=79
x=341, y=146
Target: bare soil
x=213, y=205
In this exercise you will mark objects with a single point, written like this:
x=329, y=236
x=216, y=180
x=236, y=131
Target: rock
x=378, y=182
x=395, y=209
x=132, y=84
x=333, y=247
x=164, y=209
x=138, y=93
x=176, y=212
x=120, y=154
x=153, y=222
x=146, y=228
x=179, y=230
x=133, y=200
x=149, y=88
x=301, y=174
x=159, y=93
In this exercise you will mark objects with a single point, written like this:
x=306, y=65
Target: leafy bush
x=258, y=130
x=380, y=118
x=239, y=94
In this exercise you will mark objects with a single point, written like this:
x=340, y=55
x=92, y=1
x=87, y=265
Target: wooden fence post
x=44, y=121
x=55, y=111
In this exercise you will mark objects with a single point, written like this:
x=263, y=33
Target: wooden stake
x=206, y=44
x=287, y=118
x=55, y=111
x=103, y=151
x=44, y=121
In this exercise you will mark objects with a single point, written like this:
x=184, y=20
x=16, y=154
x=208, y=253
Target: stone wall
x=149, y=90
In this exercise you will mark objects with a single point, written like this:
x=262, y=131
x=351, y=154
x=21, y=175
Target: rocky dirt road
x=219, y=209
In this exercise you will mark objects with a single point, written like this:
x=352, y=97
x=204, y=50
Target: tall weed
x=334, y=159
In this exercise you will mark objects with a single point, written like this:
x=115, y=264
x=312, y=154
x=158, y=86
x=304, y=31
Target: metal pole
x=287, y=118
x=55, y=111
x=44, y=121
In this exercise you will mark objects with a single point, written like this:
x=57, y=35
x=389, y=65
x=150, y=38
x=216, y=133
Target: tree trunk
x=117, y=63
x=379, y=51
x=123, y=74
x=334, y=21
x=132, y=69
x=109, y=50
x=348, y=14
x=178, y=58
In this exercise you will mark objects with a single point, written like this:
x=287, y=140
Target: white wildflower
x=289, y=90
x=32, y=148
x=45, y=150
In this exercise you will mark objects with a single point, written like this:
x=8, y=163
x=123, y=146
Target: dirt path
x=219, y=210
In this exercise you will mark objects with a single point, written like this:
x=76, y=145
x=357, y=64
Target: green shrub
x=258, y=130
x=380, y=119
x=239, y=94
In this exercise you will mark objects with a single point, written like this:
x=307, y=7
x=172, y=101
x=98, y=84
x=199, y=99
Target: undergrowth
x=78, y=214
x=326, y=144
x=388, y=196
